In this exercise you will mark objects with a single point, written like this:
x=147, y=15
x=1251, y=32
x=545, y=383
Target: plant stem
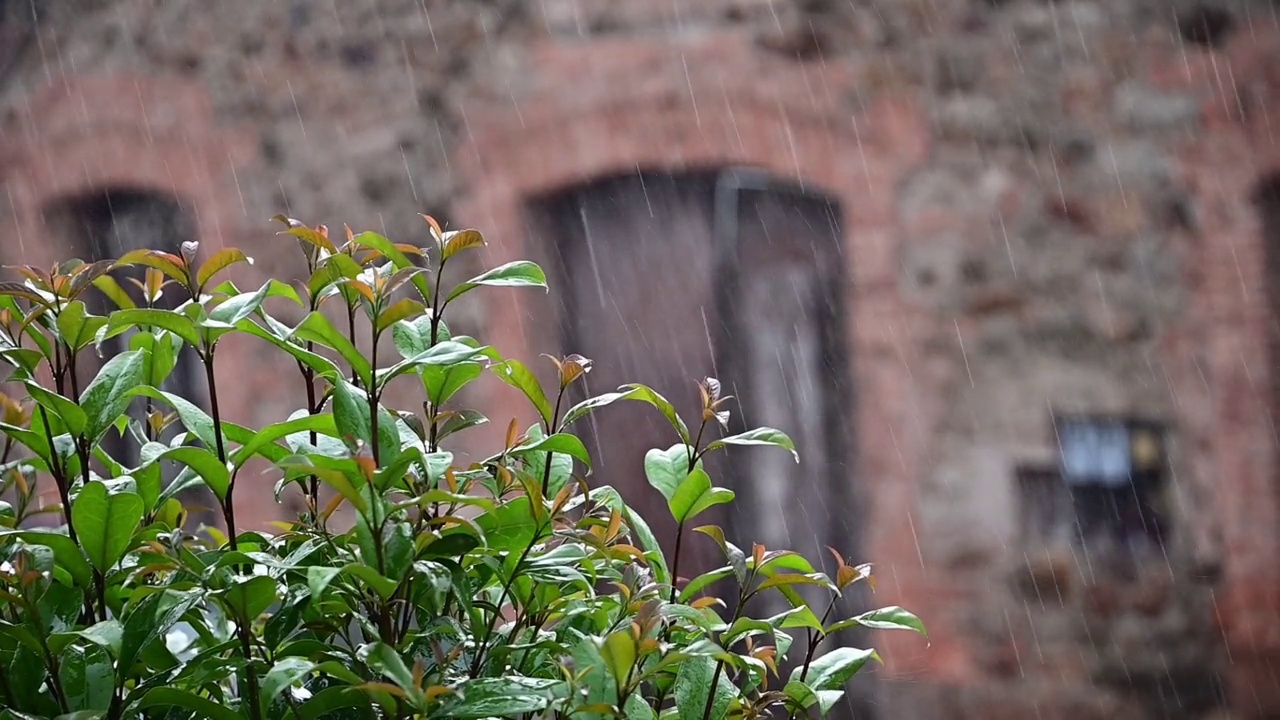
x=743, y=597
x=478, y=661
x=51, y=663
x=308, y=375
x=372, y=392
x=250, y=674
x=228, y=505
x=693, y=452
x=229, y=512
x=351, y=333
x=711, y=693
x=437, y=312
x=59, y=478
x=675, y=562
x=553, y=427
x=813, y=643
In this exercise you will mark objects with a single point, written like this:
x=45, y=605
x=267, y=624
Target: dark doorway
x=666, y=278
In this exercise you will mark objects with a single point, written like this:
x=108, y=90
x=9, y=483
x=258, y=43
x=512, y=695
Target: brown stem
x=478, y=662
x=351, y=333
x=59, y=478
x=813, y=643
x=373, y=399
x=314, y=489
x=553, y=426
x=229, y=513
x=675, y=562
x=228, y=505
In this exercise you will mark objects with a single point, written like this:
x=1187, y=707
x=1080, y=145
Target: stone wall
x=1047, y=209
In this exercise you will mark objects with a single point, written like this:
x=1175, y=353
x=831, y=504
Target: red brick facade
x=545, y=110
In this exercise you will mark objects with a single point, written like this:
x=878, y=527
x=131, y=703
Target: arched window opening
x=669, y=277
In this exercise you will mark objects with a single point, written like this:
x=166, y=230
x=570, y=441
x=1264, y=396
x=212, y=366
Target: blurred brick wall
x=1047, y=208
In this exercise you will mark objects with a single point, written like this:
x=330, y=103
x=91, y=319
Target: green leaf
x=65, y=551
x=151, y=617
x=218, y=262
x=160, y=354
x=320, y=423
x=319, y=363
x=105, y=523
x=833, y=670
x=806, y=697
x=174, y=697
x=619, y=652
x=703, y=580
x=109, y=394
x=789, y=579
x=445, y=352
x=667, y=469
x=237, y=308
x=644, y=393
x=637, y=708
x=505, y=697
x=458, y=241
x=695, y=495
x=460, y=421
x=413, y=337
x=87, y=678
x=384, y=587
x=382, y=658
x=212, y=471
x=107, y=634
x=559, y=443
x=337, y=473
x=798, y=617
x=886, y=618
x=250, y=598
x=318, y=579
x=599, y=687
x=443, y=382
x=76, y=326
x=174, y=322
x=520, y=273
x=398, y=550
x=693, y=686
x=400, y=310
x=639, y=528
x=759, y=436
x=352, y=419
x=316, y=327
x=108, y=286
x=194, y=419
x=515, y=374
x=511, y=526
x=282, y=675
x=325, y=703
x=72, y=415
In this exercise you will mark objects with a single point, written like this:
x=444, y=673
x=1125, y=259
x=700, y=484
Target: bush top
x=514, y=587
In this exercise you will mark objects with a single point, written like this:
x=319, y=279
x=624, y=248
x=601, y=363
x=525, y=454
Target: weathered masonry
x=1007, y=271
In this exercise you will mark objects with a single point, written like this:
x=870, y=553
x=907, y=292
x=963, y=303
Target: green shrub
x=513, y=587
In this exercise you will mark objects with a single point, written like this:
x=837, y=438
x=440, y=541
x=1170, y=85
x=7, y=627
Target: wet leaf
x=105, y=523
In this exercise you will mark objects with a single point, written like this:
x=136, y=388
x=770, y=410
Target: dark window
x=1106, y=493
x=662, y=283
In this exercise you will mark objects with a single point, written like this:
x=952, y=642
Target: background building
x=1004, y=268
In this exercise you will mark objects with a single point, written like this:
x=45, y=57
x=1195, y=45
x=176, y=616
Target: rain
x=1007, y=272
